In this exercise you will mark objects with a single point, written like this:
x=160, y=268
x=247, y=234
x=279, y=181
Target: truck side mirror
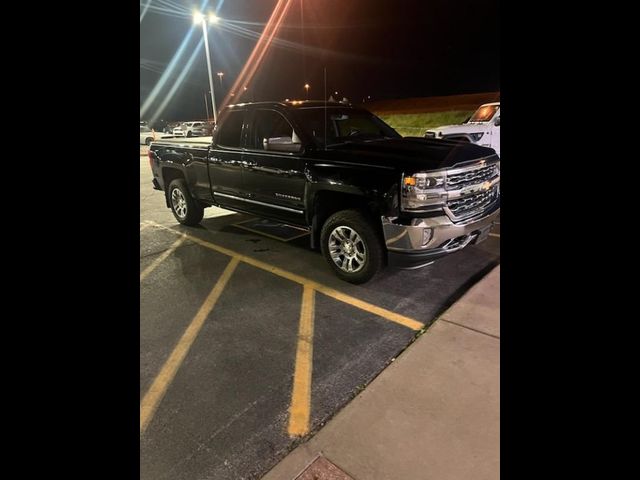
x=497, y=122
x=281, y=144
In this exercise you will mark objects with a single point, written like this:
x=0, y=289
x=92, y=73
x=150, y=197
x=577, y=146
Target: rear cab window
x=230, y=135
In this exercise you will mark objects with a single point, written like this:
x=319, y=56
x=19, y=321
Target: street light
x=220, y=75
x=306, y=87
x=200, y=19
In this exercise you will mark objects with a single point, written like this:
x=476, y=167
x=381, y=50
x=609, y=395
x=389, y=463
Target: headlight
x=423, y=192
x=476, y=136
x=430, y=135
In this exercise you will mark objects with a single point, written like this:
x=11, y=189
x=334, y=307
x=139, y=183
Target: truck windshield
x=343, y=124
x=484, y=113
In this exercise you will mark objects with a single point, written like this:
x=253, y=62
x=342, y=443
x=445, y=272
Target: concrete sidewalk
x=433, y=414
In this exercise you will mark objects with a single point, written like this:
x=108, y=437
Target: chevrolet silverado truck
x=482, y=128
x=368, y=197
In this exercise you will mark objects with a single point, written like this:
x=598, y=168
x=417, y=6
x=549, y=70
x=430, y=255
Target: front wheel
x=352, y=246
x=184, y=207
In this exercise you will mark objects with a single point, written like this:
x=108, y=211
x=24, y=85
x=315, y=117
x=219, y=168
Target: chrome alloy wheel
x=347, y=249
x=179, y=203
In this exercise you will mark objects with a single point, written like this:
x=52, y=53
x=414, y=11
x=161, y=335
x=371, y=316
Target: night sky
x=383, y=49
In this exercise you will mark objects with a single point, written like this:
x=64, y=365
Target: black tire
x=148, y=141
x=189, y=134
x=369, y=246
x=184, y=207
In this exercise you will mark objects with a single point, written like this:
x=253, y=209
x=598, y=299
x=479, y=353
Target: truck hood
x=410, y=154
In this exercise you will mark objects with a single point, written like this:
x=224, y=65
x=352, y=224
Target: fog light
x=426, y=235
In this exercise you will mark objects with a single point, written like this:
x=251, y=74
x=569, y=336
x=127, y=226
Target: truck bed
x=186, y=141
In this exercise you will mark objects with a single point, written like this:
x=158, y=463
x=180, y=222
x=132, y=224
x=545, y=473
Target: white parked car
x=147, y=135
x=482, y=128
x=189, y=129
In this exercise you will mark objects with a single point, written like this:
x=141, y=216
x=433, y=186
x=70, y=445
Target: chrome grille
x=465, y=207
x=471, y=177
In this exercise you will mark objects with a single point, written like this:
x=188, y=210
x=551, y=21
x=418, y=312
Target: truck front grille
x=471, y=177
x=466, y=207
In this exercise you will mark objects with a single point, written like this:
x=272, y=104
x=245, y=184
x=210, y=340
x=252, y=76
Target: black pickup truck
x=368, y=196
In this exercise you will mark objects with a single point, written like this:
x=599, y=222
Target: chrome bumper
x=442, y=237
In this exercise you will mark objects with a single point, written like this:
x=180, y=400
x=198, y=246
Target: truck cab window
x=269, y=124
x=231, y=130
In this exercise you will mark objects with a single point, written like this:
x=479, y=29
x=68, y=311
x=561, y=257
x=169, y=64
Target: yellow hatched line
x=162, y=257
x=299, y=411
x=161, y=383
x=331, y=292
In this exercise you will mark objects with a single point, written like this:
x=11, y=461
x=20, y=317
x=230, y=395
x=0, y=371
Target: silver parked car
x=147, y=135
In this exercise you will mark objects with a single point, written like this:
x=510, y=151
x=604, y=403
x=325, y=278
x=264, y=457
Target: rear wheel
x=148, y=141
x=184, y=207
x=352, y=246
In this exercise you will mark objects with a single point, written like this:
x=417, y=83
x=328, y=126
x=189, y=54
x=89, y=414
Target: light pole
x=199, y=18
x=206, y=106
x=306, y=87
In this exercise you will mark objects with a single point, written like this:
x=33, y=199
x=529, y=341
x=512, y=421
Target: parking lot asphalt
x=248, y=344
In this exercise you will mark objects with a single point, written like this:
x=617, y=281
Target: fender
x=370, y=187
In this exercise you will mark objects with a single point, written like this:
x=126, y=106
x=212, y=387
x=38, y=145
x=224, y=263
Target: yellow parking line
x=382, y=312
x=299, y=411
x=368, y=307
x=494, y=235
x=160, y=259
x=159, y=387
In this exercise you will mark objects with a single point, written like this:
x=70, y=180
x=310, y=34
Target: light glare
x=198, y=18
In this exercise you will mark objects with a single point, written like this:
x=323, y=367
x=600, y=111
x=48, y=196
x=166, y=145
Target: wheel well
x=326, y=203
x=168, y=176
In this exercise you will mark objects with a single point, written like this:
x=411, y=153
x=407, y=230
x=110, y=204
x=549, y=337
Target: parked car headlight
x=476, y=136
x=430, y=135
x=423, y=192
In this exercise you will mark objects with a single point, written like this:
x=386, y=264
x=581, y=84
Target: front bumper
x=406, y=246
